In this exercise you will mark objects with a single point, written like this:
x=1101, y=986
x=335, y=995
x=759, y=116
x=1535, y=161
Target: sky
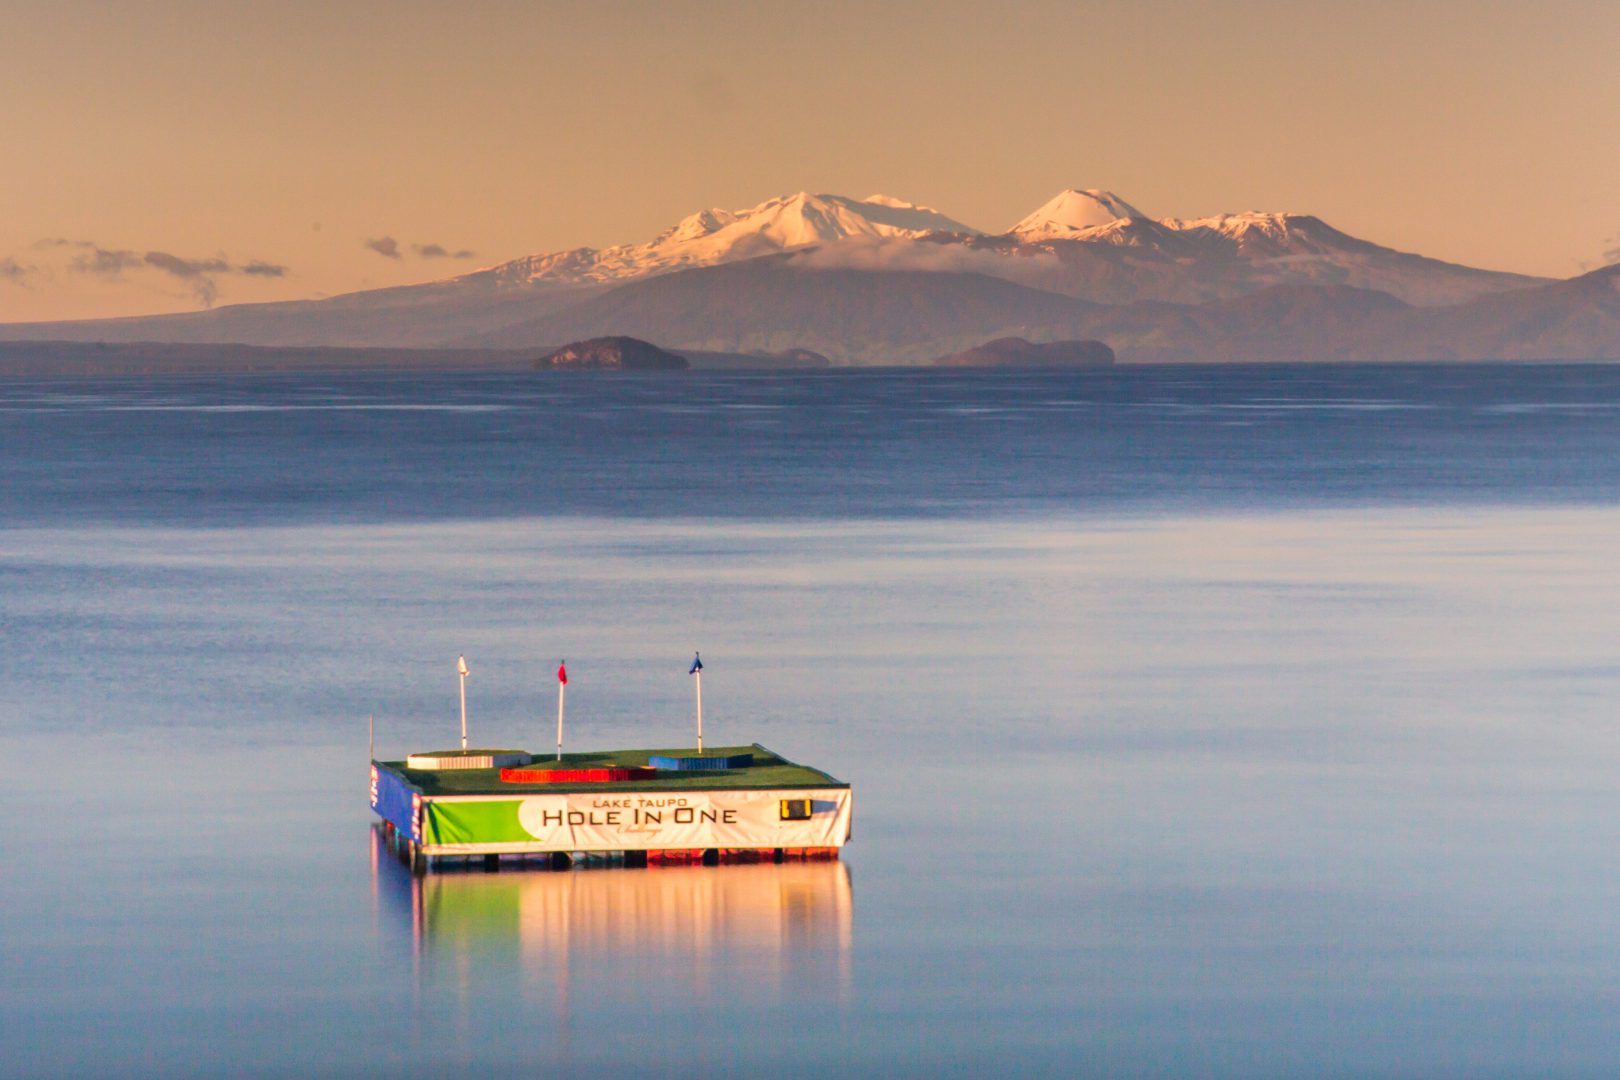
x=167, y=156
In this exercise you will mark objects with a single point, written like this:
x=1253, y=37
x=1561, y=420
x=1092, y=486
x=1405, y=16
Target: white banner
x=639, y=821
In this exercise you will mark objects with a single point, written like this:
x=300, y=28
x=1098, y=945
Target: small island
x=612, y=354
x=1019, y=352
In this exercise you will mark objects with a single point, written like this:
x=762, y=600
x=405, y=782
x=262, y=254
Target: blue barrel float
x=713, y=763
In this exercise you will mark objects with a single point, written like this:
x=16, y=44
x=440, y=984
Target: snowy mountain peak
x=890, y=200
x=698, y=225
x=840, y=229
x=1263, y=233
x=715, y=236
x=811, y=219
x=1074, y=211
x=1265, y=222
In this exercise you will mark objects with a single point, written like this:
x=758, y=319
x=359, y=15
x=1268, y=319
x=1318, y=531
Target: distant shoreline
x=79, y=359
x=88, y=359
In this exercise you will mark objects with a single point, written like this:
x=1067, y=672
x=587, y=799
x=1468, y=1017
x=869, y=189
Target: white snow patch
x=897, y=253
x=713, y=236
x=1075, y=211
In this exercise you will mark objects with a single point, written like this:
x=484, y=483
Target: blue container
x=394, y=802
x=702, y=764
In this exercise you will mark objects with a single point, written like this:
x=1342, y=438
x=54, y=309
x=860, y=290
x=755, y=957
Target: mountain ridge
x=883, y=280
x=713, y=236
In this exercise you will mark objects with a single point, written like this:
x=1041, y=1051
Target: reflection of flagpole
x=562, y=688
x=697, y=678
x=461, y=669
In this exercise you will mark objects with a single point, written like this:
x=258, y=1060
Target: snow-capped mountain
x=714, y=236
x=1103, y=249
x=1265, y=233
x=1095, y=216
x=881, y=280
x=1072, y=213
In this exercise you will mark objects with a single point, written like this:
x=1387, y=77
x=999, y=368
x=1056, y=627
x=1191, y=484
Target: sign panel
x=396, y=802
x=636, y=821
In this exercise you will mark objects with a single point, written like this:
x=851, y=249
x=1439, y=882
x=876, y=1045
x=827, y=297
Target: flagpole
x=371, y=734
x=696, y=671
x=461, y=669
x=562, y=690
x=699, y=677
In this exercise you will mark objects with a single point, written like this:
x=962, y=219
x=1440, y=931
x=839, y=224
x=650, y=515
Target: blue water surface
x=1225, y=722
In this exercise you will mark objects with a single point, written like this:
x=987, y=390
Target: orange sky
x=262, y=145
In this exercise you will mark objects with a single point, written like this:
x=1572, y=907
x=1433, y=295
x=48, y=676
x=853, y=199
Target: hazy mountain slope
x=1578, y=319
x=1282, y=323
x=100, y=359
x=412, y=316
x=772, y=303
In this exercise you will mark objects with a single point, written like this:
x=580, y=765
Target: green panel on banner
x=473, y=823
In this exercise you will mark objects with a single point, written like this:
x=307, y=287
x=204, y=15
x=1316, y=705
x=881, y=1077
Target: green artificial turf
x=769, y=770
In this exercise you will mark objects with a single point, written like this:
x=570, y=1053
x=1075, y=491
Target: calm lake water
x=1202, y=722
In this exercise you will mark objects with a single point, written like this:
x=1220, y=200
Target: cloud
x=438, y=251
x=15, y=272
x=883, y=253
x=390, y=248
x=199, y=275
x=105, y=262
x=185, y=268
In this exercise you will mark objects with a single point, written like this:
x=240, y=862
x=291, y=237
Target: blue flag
x=697, y=665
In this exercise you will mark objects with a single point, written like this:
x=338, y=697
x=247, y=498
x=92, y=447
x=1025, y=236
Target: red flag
x=562, y=674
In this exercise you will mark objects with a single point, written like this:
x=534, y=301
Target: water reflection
x=771, y=930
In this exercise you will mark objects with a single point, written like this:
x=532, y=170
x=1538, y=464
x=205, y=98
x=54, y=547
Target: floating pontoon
x=733, y=804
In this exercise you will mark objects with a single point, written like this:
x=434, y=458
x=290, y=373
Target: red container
x=577, y=776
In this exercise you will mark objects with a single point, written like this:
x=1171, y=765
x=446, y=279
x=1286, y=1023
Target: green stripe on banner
x=473, y=823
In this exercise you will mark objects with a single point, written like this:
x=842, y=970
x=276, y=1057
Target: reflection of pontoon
x=764, y=906
x=763, y=931
x=738, y=804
